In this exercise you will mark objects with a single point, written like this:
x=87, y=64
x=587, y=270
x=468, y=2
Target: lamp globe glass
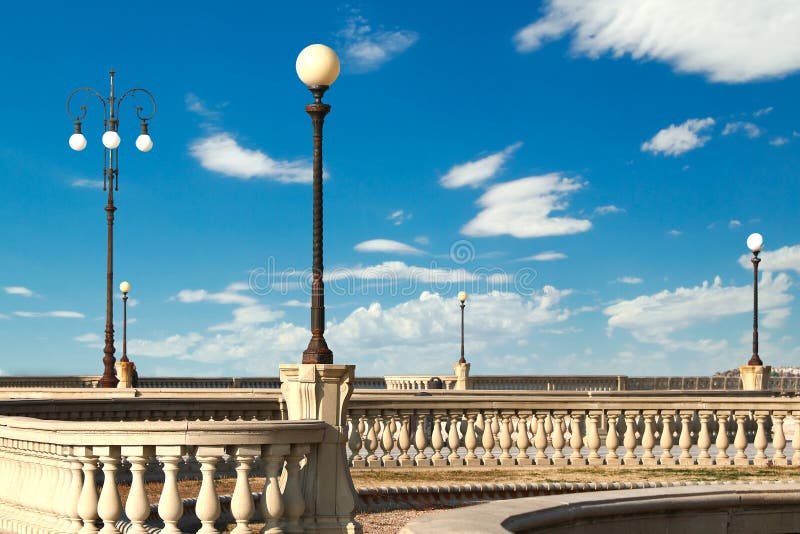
x=144, y=143
x=77, y=142
x=462, y=296
x=125, y=287
x=755, y=242
x=111, y=139
x=317, y=64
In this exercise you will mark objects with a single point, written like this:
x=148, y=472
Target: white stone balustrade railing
x=49, y=470
x=409, y=382
x=464, y=428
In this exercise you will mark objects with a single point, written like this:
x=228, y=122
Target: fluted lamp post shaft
x=755, y=242
x=462, y=298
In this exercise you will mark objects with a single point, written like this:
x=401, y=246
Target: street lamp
x=111, y=141
x=462, y=297
x=755, y=243
x=124, y=287
x=317, y=67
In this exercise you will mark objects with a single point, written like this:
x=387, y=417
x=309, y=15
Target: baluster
x=558, y=439
x=704, y=439
x=685, y=439
x=437, y=442
x=540, y=439
x=722, y=438
x=371, y=442
x=778, y=438
x=404, y=442
x=629, y=441
x=137, y=507
x=523, y=440
x=648, y=437
x=421, y=441
x=760, y=441
x=109, y=507
x=87, y=503
x=293, y=491
x=387, y=442
x=612, y=440
x=354, y=442
x=740, y=441
x=665, y=441
x=505, y=440
x=453, y=459
x=575, y=439
x=61, y=496
x=796, y=439
x=170, y=506
x=470, y=442
x=593, y=438
x=487, y=441
x=75, y=488
x=496, y=427
x=242, y=507
x=270, y=505
x=207, y=507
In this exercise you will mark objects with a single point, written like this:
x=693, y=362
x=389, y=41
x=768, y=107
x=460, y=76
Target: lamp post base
x=755, y=377
x=461, y=371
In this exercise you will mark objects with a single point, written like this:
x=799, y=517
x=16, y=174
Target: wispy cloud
x=763, y=111
x=386, y=246
x=197, y=106
x=608, y=210
x=85, y=183
x=398, y=217
x=675, y=232
x=522, y=208
x=779, y=141
x=62, y=314
x=630, y=280
x=783, y=259
x=549, y=255
x=88, y=338
x=678, y=139
x=422, y=240
x=366, y=48
x=728, y=43
x=231, y=295
x=474, y=173
x=18, y=290
x=750, y=130
x=223, y=154
x=734, y=223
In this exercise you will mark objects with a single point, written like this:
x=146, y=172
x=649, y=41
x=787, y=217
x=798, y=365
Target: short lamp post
x=125, y=287
x=755, y=243
x=111, y=141
x=462, y=298
x=317, y=67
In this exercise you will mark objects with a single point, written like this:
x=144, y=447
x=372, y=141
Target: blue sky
x=587, y=171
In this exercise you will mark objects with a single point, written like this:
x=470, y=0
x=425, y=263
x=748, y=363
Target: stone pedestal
x=317, y=391
x=461, y=371
x=755, y=377
x=124, y=374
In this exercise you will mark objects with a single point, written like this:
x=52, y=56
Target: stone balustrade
x=50, y=470
x=408, y=382
x=489, y=429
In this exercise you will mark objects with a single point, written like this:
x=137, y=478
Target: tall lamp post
x=755, y=243
x=462, y=298
x=317, y=67
x=111, y=141
x=125, y=287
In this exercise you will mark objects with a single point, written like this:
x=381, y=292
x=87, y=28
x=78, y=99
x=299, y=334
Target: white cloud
x=62, y=314
x=522, y=208
x=795, y=134
x=196, y=105
x=18, y=290
x=231, y=295
x=631, y=280
x=169, y=347
x=88, y=338
x=734, y=223
x=549, y=255
x=4, y=316
x=730, y=42
x=365, y=49
x=675, y=233
x=85, y=183
x=779, y=141
x=750, y=130
x=763, y=111
x=474, y=173
x=249, y=315
x=392, y=271
x=679, y=139
x=223, y=154
x=386, y=246
x=422, y=240
x=294, y=303
x=398, y=217
x=608, y=210
x=655, y=318
x=783, y=259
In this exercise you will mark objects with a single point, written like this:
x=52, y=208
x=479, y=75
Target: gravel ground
x=389, y=522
